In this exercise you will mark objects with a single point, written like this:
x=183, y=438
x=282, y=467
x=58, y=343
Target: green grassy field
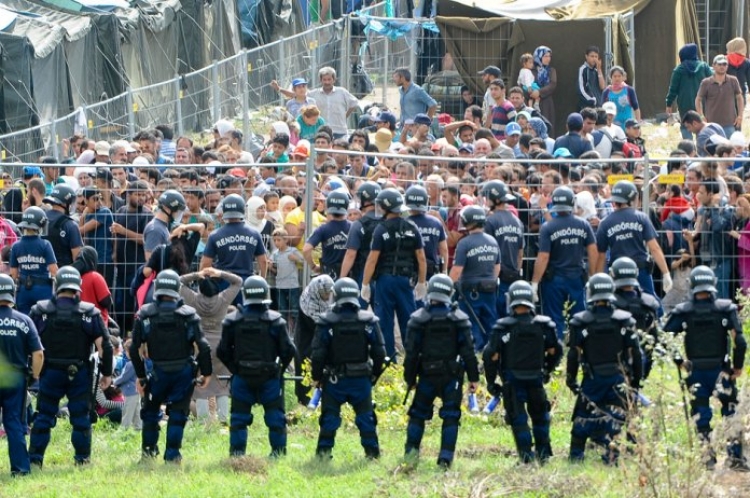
x=485, y=463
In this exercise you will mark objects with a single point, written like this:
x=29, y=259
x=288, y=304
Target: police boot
x=577, y=449
x=523, y=444
x=277, y=452
x=324, y=454
x=543, y=451
x=372, y=453
x=149, y=453
x=708, y=457
x=735, y=461
x=444, y=463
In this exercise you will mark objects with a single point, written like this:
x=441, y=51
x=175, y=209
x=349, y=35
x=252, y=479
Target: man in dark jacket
x=685, y=81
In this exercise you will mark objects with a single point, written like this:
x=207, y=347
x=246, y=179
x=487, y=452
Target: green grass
x=485, y=463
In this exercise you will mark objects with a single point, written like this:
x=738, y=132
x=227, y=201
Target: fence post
x=53, y=133
x=245, y=98
x=215, y=90
x=646, y=203
x=386, y=72
x=131, y=113
x=283, y=66
x=309, y=195
x=346, y=50
x=178, y=107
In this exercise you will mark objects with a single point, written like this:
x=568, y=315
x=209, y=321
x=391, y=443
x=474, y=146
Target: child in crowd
x=131, y=413
x=272, y=209
x=527, y=81
x=284, y=261
x=279, y=148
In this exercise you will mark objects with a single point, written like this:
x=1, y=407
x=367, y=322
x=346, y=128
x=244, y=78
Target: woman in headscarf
x=287, y=204
x=546, y=78
x=315, y=300
x=539, y=129
x=739, y=65
x=211, y=306
x=255, y=216
x=686, y=79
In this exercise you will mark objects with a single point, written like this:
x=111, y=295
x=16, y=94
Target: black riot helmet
x=61, y=195
x=497, y=192
x=346, y=291
x=172, y=202
x=624, y=192
x=34, y=218
x=440, y=288
x=417, y=198
x=702, y=279
x=67, y=278
x=7, y=288
x=390, y=200
x=167, y=284
x=473, y=217
x=600, y=287
x=367, y=193
x=520, y=293
x=563, y=200
x=255, y=290
x=624, y=272
x=233, y=208
x=337, y=203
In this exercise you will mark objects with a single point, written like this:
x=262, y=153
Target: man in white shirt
x=335, y=103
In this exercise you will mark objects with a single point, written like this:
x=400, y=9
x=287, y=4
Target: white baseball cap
x=610, y=108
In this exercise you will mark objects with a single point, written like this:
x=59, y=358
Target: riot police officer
x=347, y=355
x=564, y=244
x=32, y=261
x=507, y=230
x=602, y=339
x=167, y=332
x=439, y=349
x=711, y=325
x=18, y=340
x=643, y=307
x=236, y=246
x=68, y=328
x=396, y=258
x=256, y=348
x=475, y=270
x=524, y=350
x=331, y=235
x=430, y=228
x=627, y=232
x=63, y=232
x=360, y=234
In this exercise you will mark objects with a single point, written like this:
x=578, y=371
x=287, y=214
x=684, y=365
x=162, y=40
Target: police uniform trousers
x=357, y=391
x=598, y=415
x=704, y=383
x=175, y=390
x=555, y=292
x=55, y=383
x=449, y=390
x=524, y=399
x=26, y=298
x=13, y=405
x=483, y=306
x=393, y=295
x=501, y=303
x=244, y=396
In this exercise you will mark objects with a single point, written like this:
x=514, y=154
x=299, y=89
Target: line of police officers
x=607, y=340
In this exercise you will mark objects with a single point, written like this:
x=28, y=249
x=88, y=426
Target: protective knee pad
x=276, y=404
x=239, y=406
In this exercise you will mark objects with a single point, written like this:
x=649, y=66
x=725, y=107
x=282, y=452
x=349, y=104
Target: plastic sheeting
x=546, y=10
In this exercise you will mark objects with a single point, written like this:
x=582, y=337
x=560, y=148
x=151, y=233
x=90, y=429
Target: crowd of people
x=158, y=237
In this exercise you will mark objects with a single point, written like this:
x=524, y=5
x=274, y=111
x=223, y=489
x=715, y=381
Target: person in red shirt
x=94, y=288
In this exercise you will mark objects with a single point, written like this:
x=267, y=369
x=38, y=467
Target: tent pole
x=346, y=69
x=608, y=54
x=741, y=24
x=631, y=45
x=246, y=96
x=53, y=139
x=178, y=105
x=708, y=30
x=131, y=113
x=386, y=75
x=215, y=90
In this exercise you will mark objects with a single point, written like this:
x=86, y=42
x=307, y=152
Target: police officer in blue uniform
x=68, y=328
x=565, y=242
x=604, y=341
x=396, y=259
x=256, y=348
x=507, y=230
x=235, y=247
x=168, y=332
x=32, y=261
x=347, y=355
x=331, y=235
x=360, y=234
x=627, y=232
x=643, y=307
x=18, y=340
x=62, y=232
x=439, y=350
x=430, y=228
x=524, y=351
x=476, y=267
x=711, y=326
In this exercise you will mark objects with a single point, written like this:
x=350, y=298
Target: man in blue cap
x=573, y=140
x=298, y=95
